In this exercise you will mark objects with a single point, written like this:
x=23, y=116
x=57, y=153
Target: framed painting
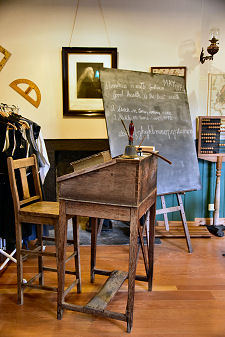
x=82, y=94
x=216, y=95
x=176, y=71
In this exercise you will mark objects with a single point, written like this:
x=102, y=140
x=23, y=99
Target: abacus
x=211, y=140
x=211, y=147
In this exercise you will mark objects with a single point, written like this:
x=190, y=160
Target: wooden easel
x=165, y=210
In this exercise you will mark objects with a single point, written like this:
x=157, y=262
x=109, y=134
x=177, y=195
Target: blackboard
x=158, y=106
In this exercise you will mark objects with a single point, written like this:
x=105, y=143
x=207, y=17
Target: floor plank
x=176, y=230
x=188, y=297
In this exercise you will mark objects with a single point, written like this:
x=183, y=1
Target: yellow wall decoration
x=26, y=93
x=6, y=54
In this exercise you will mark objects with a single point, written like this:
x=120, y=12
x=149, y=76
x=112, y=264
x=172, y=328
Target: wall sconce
x=212, y=48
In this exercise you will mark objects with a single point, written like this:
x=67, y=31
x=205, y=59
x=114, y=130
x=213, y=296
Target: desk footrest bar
x=141, y=278
x=108, y=273
x=70, y=257
x=49, y=269
x=70, y=272
x=67, y=290
x=28, y=283
x=105, y=313
x=37, y=286
x=37, y=253
x=48, y=238
x=55, y=270
x=108, y=291
x=71, y=242
x=103, y=272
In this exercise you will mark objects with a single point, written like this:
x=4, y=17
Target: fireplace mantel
x=76, y=145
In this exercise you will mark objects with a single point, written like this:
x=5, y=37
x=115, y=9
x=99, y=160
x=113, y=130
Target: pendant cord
x=74, y=21
x=103, y=18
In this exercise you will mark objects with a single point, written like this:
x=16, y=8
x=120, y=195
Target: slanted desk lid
x=95, y=166
x=99, y=158
x=87, y=164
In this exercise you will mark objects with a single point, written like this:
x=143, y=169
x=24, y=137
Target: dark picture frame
x=81, y=84
x=176, y=71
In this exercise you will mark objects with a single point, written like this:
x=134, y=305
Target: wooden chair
x=29, y=207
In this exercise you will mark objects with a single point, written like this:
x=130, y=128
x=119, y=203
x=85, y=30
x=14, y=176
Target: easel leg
x=184, y=222
x=163, y=202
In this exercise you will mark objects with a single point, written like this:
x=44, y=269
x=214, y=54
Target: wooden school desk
x=120, y=189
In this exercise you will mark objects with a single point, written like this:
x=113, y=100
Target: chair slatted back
x=22, y=165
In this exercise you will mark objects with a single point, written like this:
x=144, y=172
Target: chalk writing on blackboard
x=158, y=106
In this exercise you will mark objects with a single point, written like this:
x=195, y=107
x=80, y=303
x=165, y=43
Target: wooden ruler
x=6, y=54
x=26, y=93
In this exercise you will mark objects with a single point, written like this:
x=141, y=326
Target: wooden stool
x=30, y=208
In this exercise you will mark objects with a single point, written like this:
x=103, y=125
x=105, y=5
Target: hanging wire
x=103, y=18
x=74, y=21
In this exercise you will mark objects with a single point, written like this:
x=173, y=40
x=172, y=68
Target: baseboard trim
x=208, y=221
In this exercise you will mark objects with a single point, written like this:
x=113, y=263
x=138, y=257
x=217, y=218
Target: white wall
x=145, y=32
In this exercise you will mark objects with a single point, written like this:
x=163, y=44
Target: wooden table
x=121, y=189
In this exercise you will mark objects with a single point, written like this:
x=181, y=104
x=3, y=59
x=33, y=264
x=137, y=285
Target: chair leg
x=61, y=235
x=40, y=258
x=76, y=244
x=19, y=262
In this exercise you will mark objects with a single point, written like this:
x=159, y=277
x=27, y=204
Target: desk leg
x=61, y=254
x=133, y=248
x=76, y=244
x=94, y=232
x=151, y=240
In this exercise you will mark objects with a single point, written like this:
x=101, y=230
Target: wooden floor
x=188, y=297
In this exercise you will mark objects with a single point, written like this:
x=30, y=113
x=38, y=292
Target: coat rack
x=9, y=257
